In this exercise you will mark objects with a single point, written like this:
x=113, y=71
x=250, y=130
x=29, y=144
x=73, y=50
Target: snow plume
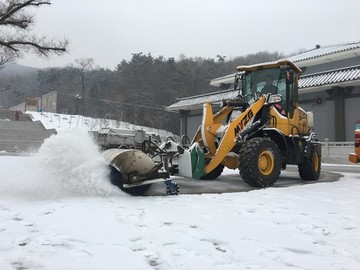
x=67, y=164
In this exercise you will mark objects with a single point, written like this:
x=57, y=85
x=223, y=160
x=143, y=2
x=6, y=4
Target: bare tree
x=86, y=80
x=16, y=36
x=85, y=66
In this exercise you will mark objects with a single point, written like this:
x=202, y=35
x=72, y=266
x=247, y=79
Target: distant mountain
x=17, y=82
x=13, y=69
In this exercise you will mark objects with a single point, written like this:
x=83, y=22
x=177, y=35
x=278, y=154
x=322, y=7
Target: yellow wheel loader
x=259, y=133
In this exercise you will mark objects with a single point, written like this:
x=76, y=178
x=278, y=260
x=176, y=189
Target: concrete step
x=22, y=136
x=4, y=124
x=9, y=115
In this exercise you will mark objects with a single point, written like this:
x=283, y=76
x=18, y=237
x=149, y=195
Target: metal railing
x=336, y=152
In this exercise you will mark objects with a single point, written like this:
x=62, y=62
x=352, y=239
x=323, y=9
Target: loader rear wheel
x=260, y=162
x=309, y=169
x=116, y=179
x=214, y=173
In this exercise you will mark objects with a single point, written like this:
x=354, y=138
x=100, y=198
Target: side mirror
x=289, y=77
x=236, y=82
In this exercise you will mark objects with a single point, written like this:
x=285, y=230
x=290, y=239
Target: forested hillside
x=136, y=91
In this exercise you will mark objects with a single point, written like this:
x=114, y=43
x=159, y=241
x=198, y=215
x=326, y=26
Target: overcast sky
x=111, y=30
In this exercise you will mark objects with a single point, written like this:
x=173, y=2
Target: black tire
x=309, y=169
x=116, y=179
x=214, y=173
x=260, y=162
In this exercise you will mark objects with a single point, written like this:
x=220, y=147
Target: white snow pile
x=67, y=164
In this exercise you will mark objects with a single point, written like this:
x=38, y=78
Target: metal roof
x=330, y=77
x=309, y=82
x=194, y=102
x=325, y=50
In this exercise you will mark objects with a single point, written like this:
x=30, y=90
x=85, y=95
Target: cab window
x=264, y=81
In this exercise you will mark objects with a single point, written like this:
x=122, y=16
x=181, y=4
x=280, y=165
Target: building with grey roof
x=329, y=86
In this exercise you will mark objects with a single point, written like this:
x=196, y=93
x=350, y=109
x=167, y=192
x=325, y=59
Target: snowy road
x=231, y=181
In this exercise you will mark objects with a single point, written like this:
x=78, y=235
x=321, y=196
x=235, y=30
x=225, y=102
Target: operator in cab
x=269, y=87
x=272, y=89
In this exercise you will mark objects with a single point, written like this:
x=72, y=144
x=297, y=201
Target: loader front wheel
x=116, y=179
x=260, y=162
x=310, y=168
x=214, y=173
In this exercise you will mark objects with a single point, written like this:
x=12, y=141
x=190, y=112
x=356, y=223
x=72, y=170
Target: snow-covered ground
x=59, y=211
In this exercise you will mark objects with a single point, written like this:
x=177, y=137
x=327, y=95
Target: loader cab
x=276, y=78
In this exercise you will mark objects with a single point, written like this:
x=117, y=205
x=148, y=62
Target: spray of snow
x=67, y=164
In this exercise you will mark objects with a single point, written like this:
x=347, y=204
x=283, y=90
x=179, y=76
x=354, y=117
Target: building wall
x=324, y=115
x=330, y=120
x=49, y=102
x=327, y=116
x=190, y=122
x=193, y=125
x=352, y=113
x=323, y=128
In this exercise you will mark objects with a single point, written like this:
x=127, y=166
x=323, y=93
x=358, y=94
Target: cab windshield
x=271, y=80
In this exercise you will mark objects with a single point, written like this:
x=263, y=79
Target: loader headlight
x=273, y=99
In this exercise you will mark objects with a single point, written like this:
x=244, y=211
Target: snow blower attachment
x=133, y=171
